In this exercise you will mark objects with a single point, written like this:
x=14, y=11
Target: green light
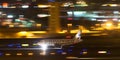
x=25, y=45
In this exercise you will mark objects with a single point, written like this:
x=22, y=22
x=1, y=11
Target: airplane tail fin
x=77, y=37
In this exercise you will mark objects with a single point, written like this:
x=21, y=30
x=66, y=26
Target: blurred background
x=29, y=18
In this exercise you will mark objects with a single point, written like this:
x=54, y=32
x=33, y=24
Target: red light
x=68, y=37
x=69, y=18
x=22, y=18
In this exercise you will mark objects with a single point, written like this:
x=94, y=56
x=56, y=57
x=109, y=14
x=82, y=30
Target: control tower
x=54, y=19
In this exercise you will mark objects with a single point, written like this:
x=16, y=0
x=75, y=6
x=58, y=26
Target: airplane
x=45, y=43
x=42, y=44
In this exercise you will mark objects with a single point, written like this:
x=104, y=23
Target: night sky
x=94, y=1
x=88, y=1
x=103, y=1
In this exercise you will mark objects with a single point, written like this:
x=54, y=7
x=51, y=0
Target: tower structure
x=54, y=19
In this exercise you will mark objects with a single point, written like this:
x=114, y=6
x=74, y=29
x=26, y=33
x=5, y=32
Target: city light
x=81, y=3
x=102, y=52
x=52, y=53
x=5, y=5
x=43, y=53
x=38, y=32
x=69, y=25
x=25, y=45
x=10, y=16
x=19, y=54
x=11, y=25
x=44, y=6
x=111, y=5
x=108, y=25
x=23, y=33
x=67, y=4
x=46, y=29
x=63, y=53
x=38, y=25
x=30, y=54
x=25, y=6
x=43, y=15
x=44, y=46
x=7, y=54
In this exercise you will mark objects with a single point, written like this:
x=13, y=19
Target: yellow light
x=37, y=32
x=11, y=25
x=44, y=6
x=85, y=31
x=108, y=24
x=71, y=57
x=52, y=53
x=30, y=54
x=63, y=31
x=7, y=54
x=97, y=24
x=95, y=35
x=38, y=25
x=35, y=44
x=85, y=52
x=19, y=54
x=113, y=5
x=73, y=31
x=25, y=45
x=119, y=24
x=22, y=33
x=69, y=24
x=30, y=35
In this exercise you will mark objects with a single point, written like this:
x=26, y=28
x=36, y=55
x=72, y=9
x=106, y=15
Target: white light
x=25, y=6
x=113, y=5
x=104, y=20
x=0, y=13
x=116, y=12
x=104, y=5
x=64, y=53
x=44, y=46
x=78, y=35
x=10, y=16
x=115, y=19
x=93, y=19
x=118, y=20
x=102, y=52
x=70, y=13
x=43, y=53
x=43, y=15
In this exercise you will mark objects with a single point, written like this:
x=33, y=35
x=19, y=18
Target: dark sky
x=89, y=1
x=103, y=1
